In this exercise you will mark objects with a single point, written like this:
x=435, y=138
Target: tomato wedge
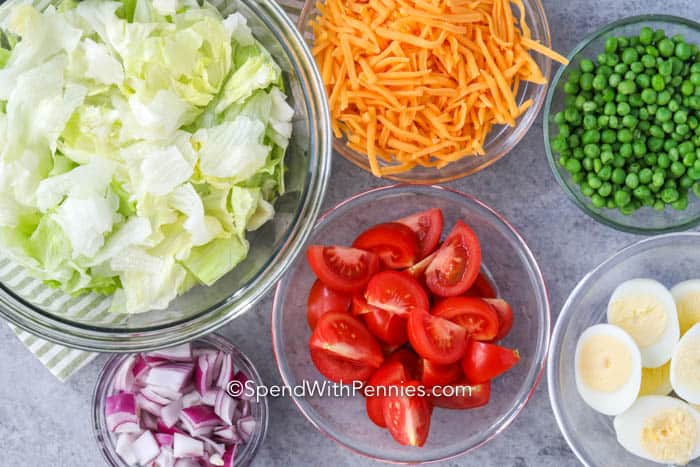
x=408, y=358
x=462, y=396
x=417, y=271
x=322, y=300
x=339, y=369
x=396, y=292
x=386, y=326
x=456, y=265
x=394, y=243
x=505, y=317
x=436, y=339
x=483, y=361
x=344, y=336
x=408, y=416
x=345, y=270
x=360, y=307
x=433, y=374
x=428, y=228
x=482, y=288
x=473, y=314
x=391, y=372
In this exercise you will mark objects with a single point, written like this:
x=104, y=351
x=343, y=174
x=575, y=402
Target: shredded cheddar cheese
x=422, y=82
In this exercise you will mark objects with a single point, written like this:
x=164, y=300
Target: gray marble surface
x=43, y=422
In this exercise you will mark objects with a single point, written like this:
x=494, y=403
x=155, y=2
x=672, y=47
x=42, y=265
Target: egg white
x=657, y=354
x=628, y=425
x=690, y=395
x=610, y=403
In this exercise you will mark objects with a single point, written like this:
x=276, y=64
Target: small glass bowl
x=505, y=258
x=84, y=322
x=104, y=388
x=500, y=140
x=670, y=259
x=645, y=221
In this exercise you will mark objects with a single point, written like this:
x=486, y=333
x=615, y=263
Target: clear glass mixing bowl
x=506, y=259
x=502, y=138
x=83, y=323
x=645, y=221
x=670, y=259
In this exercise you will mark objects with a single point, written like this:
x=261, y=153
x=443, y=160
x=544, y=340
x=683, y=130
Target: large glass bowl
x=106, y=441
x=506, y=259
x=502, y=138
x=670, y=259
x=646, y=220
x=83, y=323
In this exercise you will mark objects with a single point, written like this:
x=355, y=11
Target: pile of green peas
x=629, y=133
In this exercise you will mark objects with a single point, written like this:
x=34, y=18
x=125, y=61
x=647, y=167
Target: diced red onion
x=172, y=375
x=121, y=414
x=216, y=460
x=199, y=420
x=165, y=458
x=208, y=368
x=243, y=379
x=145, y=448
x=230, y=456
x=225, y=406
x=140, y=369
x=153, y=396
x=212, y=446
x=191, y=398
x=124, y=377
x=149, y=406
x=245, y=408
x=154, y=361
x=179, y=353
x=227, y=434
x=246, y=427
x=187, y=462
x=209, y=397
x=226, y=372
x=149, y=421
x=170, y=413
x=166, y=393
x=164, y=439
x=162, y=428
x=123, y=447
x=185, y=446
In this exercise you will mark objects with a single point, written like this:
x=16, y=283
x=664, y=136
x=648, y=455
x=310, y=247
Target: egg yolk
x=688, y=307
x=656, y=381
x=605, y=363
x=687, y=364
x=670, y=436
x=643, y=317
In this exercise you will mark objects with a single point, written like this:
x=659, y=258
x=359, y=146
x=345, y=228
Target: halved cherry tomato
x=483, y=361
x=433, y=374
x=386, y=326
x=408, y=358
x=394, y=243
x=428, y=228
x=505, y=317
x=391, y=372
x=435, y=338
x=463, y=396
x=473, y=314
x=344, y=336
x=417, y=271
x=481, y=288
x=345, y=270
x=360, y=306
x=457, y=263
x=396, y=292
x=339, y=369
x=408, y=416
x=322, y=300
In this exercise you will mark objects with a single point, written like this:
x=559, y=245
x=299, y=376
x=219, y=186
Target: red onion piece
x=164, y=429
x=140, y=369
x=166, y=458
x=230, y=456
x=184, y=446
x=170, y=414
x=246, y=427
x=216, y=460
x=165, y=393
x=199, y=420
x=226, y=372
x=172, y=375
x=191, y=398
x=186, y=462
x=227, y=434
x=123, y=448
x=124, y=377
x=121, y=415
x=149, y=421
x=164, y=439
x=208, y=367
x=243, y=379
x=225, y=406
x=179, y=353
x=153, y=396
x=145, y=448
x=212, y=447
x=209, y=397
x=149, y=406
x=245, y=408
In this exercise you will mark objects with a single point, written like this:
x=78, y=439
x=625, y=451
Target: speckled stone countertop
x=44, y=422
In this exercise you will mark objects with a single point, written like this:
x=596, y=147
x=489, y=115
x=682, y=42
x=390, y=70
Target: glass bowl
x=500, y=140
x=670, y=259
x=646, y=220
x=83, y=323
x=506, y=259
x=104, y=388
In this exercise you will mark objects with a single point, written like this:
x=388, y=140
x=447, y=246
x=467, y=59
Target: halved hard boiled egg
x=685, y=366
x=645, y=309
x=687, y=297
x=608, y=368
x=661, y=429
x=656, y=381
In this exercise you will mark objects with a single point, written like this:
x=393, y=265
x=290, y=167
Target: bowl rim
x=64, y=331
x=560, y=329
x=543, y=348
x=519, y=130
x=570, y=191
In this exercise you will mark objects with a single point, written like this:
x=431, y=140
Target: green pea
x=681, y=116
x=603, y=121
x=605, y=173
x=681, y=203
x=645, y=176
x=658, y=178
x=608, y=95
x=618, y=176
x=614, y=80
x=597, y=200
x=597, y=165
x=606, y=156
x=653, y=51
x=621, y=68
x=677, y=168
x=664, y=161
x=624, y=135
x=586, y=65
x=599, y=82
x=629, y=121
x=696, y=189
x=687, y=88
x=663, y=98
x=591, y=150
x=590, y=122
x=673, y=105
x=666, y=47
x=611, y=44
x=637, y=67
x=648, y=61
x=646, y=36
x=627, y=87
x=642, y=192
x=608, y=136
x=629, y=55
x=695, y=79
x=669, y=195
x=622, y=198
x=659, y=205
x=571, y=88
x=605, y=189
x=587, y=164
x=586, y=82
x=639, y=148
x=683, y=51
x=594, y=181
x=649, y=96
x=626, y=150
x=686, y=182
x=586, y=190
x=632, y=181
x=573, y=166
x=657, y=82
x=663, y=114
x=623, y=108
